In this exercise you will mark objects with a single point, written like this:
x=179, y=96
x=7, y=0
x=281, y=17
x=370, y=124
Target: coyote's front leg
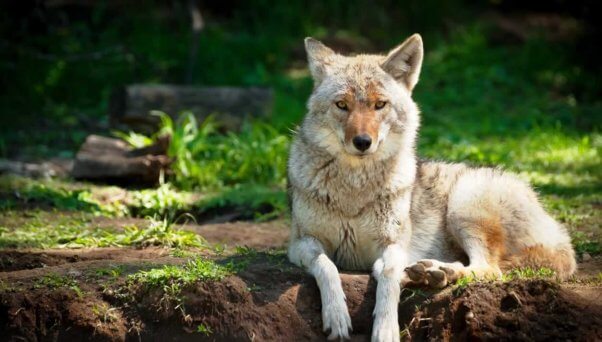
x=389, y=272
x=308, y=253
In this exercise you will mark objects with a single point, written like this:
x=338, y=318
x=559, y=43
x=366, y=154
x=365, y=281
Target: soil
x=268, y=299
x=535, y=310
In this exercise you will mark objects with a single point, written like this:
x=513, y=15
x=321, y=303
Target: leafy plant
x=136, y=140
x=207, y=160
x=204, y=329
x=584, y=244
x=163, y=201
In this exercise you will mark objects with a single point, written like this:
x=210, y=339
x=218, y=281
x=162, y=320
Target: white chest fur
x=351, y=242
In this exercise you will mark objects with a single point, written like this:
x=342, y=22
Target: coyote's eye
x=380, y=105
x=341, y=105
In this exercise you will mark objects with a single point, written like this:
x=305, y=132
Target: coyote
x=361, y=199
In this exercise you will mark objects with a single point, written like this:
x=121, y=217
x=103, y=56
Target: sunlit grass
x=194, y=270
x=205, y=160
x=172, y=279
x=67, y=232
x=524, y=273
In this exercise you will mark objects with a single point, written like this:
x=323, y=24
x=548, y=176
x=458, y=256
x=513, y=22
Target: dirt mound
x=269, y=299
x=57, y=315
x=535, y=310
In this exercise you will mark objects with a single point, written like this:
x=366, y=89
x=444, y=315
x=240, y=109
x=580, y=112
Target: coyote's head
x=361, y=106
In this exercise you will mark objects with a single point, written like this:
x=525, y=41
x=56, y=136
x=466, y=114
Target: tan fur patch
x=361, y=121
x=363, y=118
x=494, y=238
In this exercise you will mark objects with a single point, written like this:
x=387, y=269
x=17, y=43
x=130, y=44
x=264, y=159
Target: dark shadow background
x=60, y=60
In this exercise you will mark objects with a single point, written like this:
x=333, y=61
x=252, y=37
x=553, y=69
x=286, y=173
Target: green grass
x=198, y=269
x=584, y=244
x=56, y=194
x=260, y=203
x=207, y=160
x=253, y=201
x=55, y=281
x=204, y=329
x=105, y=313
x=164, y=200
x=524, y=273
x=528, y=273
x=69, y=232
x=172, y=279
x=112, y=272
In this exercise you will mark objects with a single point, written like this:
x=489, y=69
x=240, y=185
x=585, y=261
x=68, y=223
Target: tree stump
x=113, y=160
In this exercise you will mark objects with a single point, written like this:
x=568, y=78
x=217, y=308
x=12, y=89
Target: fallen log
x=46, y=169
x=130, y=106
x=113, y=160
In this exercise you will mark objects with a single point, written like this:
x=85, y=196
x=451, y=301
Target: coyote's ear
x=404, y=62
x=319, y=57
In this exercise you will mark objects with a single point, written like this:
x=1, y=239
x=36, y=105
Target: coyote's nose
x=362, y=142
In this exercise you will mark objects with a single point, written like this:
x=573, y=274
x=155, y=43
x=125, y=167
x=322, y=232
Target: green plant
x=204, y=329
x=198, y=269
x=584, y=244
x=162, y=201
x=159, y=233
x=58, y=194
x=253, y=201
x=113, y=271
x=105, y=313
x=466, y=280
x=136, y=140
x=55, y=281
x=207, y=160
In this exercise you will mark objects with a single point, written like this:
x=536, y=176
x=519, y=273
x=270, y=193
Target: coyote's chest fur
x=342, y=206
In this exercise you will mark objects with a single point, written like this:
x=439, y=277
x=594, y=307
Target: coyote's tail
x=560, y=259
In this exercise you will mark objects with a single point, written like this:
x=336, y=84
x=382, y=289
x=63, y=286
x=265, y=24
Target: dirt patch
x=24, y=259
x=273, y=234
x=270, y=299
x=535, y=310
x=58, y=315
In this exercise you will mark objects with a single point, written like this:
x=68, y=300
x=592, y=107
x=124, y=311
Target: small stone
x=74, y=273
x=469, y=316
x=586, y=257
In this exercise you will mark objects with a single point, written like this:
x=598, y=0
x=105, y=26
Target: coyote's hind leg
x=482, y=240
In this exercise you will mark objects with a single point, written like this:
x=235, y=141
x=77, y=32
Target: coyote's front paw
x=432, y=273
x=335, y=317
x=385, y=329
